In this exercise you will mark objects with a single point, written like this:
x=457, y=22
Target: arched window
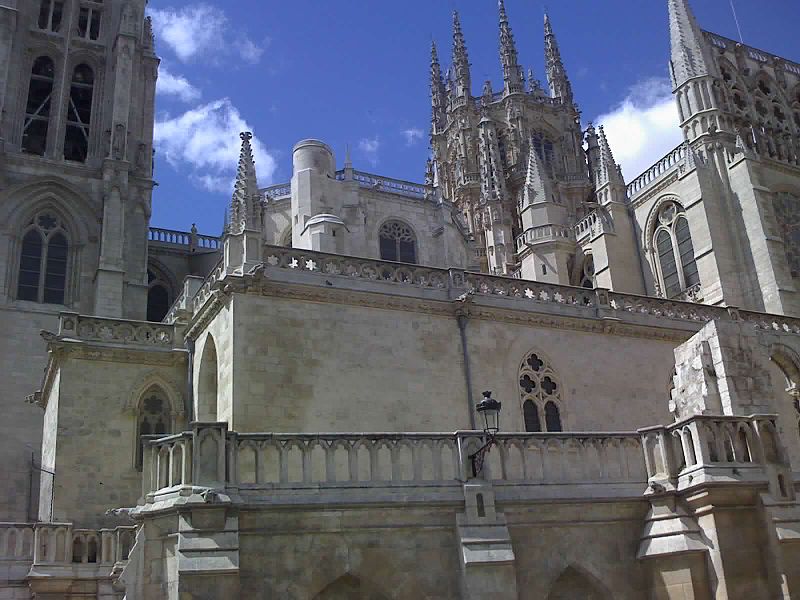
x=672, y=242
x=37, y=109
x=42, y=275
x=158, y=297
x=397, y=242
x=787, y=213
x=79, y=114
x=153, y=418
x=207, y=383
x=540, y=394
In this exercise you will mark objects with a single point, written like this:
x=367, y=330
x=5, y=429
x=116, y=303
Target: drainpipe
x=462, y=317
x=189, y=408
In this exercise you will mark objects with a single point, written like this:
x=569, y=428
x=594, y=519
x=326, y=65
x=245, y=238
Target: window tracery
x=37, y=109
x=153, y=418
x=79, y=114
x=89, y=20
x=674, y=253
x=397, y=242
x=44, y=252
x=787, y=213
x=540, y=394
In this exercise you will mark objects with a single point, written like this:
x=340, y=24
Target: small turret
x=512, y=72
x=463, y=80
x=560, y=86
x=610, y=171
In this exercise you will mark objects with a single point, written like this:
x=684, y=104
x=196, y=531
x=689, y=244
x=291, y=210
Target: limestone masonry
x=289, y=410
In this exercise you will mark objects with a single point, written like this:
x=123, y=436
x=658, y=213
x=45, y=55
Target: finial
x=348, y=163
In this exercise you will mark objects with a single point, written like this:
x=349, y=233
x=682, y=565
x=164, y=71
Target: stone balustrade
x=190, y=239
x=16, y=541
x=394, y=186
x=544, y=232
x=694, y=449
x=61, y=544
x=254, y=464
x=206, y=289
x=276, y=192
x=117, y=331
x=671, y=161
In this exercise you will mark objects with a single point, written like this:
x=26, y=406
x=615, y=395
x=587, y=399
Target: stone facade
x=296, y=417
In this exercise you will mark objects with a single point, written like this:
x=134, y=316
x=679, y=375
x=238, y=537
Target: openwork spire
x=560, y=86
x=460, y=59
x=438, y=92
x=245, y=211
x=512, y=73
x=686, y=40
x=538, y=188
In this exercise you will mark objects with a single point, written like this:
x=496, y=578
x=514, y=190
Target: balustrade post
x=700, y=435
x=148, y=457
x=232, y=449
x=209, y=454
x=107, y=547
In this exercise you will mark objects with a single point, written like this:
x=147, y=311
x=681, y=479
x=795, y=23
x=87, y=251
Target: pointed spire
x=688, y=58
x=512, y=73
x=245, y=210
x=438, y=93
x=560, y=86
x=609, y=170
x=537, y=183
x=460, y=59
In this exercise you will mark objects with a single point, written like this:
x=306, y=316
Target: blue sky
x=357, y=72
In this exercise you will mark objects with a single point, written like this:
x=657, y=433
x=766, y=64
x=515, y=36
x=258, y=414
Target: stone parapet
x=332, y=272
x=354, y=468
x=706, y=449
x=124, y=332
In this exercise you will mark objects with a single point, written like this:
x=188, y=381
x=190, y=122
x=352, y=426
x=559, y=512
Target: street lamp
x=489, y=409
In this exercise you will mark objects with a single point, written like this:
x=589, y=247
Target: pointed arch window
x=79, y=114
x=37, y=109
x=153, y=417
x=44, y=253
x=397, y=242
x=540, y=394
x=674, y=252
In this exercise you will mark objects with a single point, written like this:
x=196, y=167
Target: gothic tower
x=77, y=90
x=481, y=149
x=738, y=109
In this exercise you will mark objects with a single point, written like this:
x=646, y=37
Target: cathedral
x=295, y=409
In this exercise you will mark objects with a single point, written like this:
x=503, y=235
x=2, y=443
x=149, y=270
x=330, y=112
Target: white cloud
x=370, y=147
x=204, y=143
x=202, y=31
x=176, y=85
x=412, y=135
x=249, y=50
x=643, y=127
